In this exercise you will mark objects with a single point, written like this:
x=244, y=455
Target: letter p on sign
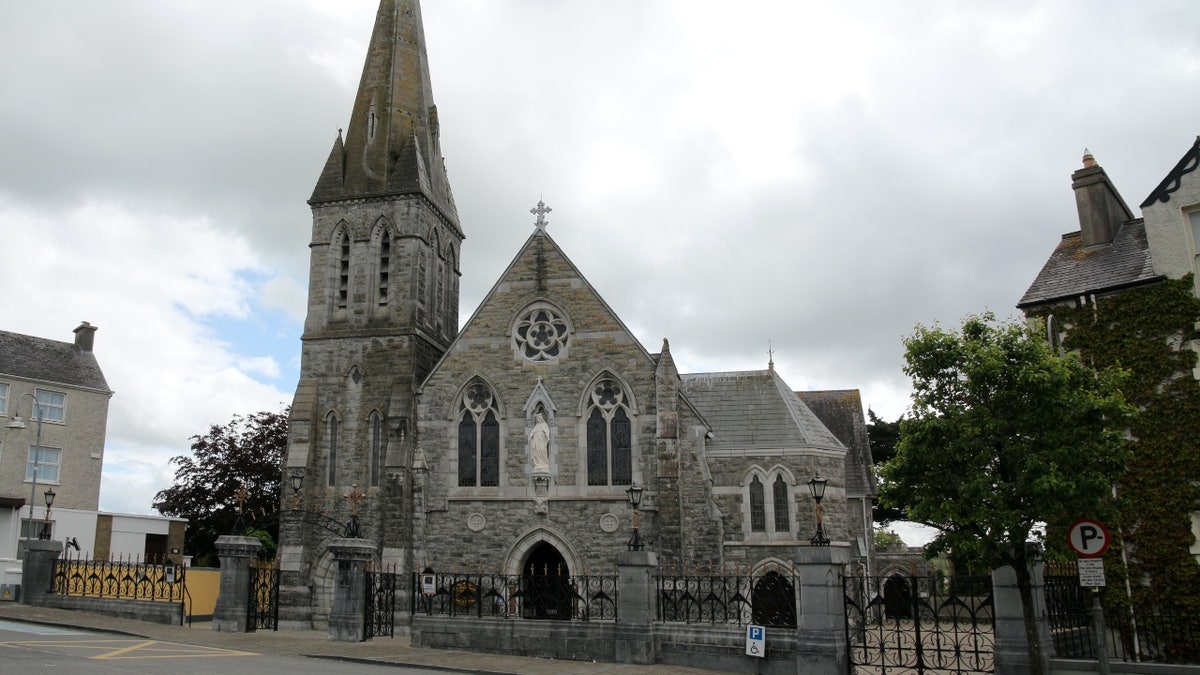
x=1088, y=538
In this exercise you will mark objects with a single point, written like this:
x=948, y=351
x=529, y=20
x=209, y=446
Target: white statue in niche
x=539, y=444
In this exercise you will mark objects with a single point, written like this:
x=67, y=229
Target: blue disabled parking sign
x=756, y=641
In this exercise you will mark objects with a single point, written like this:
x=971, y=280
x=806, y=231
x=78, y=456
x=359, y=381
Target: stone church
x=512, y=442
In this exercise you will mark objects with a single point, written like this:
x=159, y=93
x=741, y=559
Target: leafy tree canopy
x=1002, y=435
x=208, y=491
x=884, y=437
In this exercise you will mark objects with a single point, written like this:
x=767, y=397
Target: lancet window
x=385, y=267
x=769, y=515
x=343, y=271
x=478, y=438
x=332, y=425
x=609, y=442
x=375, y=423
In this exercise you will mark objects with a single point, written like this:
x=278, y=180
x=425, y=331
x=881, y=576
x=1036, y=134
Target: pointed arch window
x=758, y=507
x=609, y=437
x=440, y=306
x=332, y=425
x=385, y=267
x=478, y=438
x=377, y=448
x=343, y=271
x=780, y=490
x=768, y=518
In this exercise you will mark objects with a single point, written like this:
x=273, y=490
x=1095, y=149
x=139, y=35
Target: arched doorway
x=545, y=584
x=897, y=598
x=774, y=601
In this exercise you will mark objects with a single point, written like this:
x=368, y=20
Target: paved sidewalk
x=313, y=643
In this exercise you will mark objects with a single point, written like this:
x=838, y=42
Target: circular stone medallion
x=476, y=522
x=609, y=522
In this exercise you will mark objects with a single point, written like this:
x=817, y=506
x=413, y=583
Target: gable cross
x=540, y=211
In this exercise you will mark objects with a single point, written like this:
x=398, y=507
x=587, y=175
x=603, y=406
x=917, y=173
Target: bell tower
x=382, y=309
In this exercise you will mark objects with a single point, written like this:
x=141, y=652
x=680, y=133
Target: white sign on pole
x=756, y=641
x=1091, y=572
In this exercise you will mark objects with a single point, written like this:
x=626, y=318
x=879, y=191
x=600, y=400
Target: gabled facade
x=511, y=445
x=1121, y=291
x=72, y=396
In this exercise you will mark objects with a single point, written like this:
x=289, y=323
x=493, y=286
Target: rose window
x=541, y=334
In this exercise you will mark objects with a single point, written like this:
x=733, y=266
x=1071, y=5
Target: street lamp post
x=18, y=423
x=46, y=524
x=635, y=500
x=816, y=487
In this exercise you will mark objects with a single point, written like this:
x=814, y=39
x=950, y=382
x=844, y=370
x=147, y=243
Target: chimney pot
x=85, y=335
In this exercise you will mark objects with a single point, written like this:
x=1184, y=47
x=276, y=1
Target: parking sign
x=756, y=641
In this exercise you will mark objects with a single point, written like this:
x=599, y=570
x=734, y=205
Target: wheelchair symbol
x=753, y=649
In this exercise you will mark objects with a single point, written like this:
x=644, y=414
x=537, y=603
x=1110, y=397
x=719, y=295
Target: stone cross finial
x=354, y=496
x=241, y=495
x=540, y=211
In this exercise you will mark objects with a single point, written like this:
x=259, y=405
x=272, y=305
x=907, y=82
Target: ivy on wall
x=1147, y=331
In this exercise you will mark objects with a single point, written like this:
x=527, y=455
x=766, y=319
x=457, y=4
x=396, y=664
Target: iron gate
x=908, y=624
x=263, y=603
x=380, y=605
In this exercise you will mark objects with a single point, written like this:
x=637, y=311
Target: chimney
x=85, y=335
x=1101, y=209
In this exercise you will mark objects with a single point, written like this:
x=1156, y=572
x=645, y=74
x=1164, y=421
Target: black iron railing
x=765, y=599
x=379, y=609
x=920, y=624
x=531, y=596
x=1133, y=632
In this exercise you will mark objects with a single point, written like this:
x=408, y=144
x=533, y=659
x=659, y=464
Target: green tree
x=1003, y=435
x=244, y=454
x=883, y=436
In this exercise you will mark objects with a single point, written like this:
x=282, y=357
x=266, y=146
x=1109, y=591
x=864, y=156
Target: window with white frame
x=52, y=404
x=46, y=461
x=3, y=399
x=1194, y=220
x=771, y=518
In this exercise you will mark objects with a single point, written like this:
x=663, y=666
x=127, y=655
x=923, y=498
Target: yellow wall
x=202, y=584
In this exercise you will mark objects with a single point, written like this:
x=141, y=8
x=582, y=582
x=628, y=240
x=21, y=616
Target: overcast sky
x=814, y=177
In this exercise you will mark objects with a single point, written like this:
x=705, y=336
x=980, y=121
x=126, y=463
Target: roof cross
x=540, y=211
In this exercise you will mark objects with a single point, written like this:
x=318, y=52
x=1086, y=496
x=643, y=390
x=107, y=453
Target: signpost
x=1089, y=539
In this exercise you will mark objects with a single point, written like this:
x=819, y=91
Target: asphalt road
x=32, y=648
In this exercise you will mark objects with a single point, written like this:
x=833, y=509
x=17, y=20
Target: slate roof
x=842, y=412
x=1074, y=269
x=755, y=410
x=35, y=358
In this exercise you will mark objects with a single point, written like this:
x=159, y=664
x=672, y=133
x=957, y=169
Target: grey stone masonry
x=820, y=629
x=37, y=570
x=635, y=607
x=346, y=620
x=231, y=614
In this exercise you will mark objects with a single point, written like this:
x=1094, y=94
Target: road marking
x=124, y=649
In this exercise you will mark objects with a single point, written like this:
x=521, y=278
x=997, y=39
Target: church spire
x=392, y=144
